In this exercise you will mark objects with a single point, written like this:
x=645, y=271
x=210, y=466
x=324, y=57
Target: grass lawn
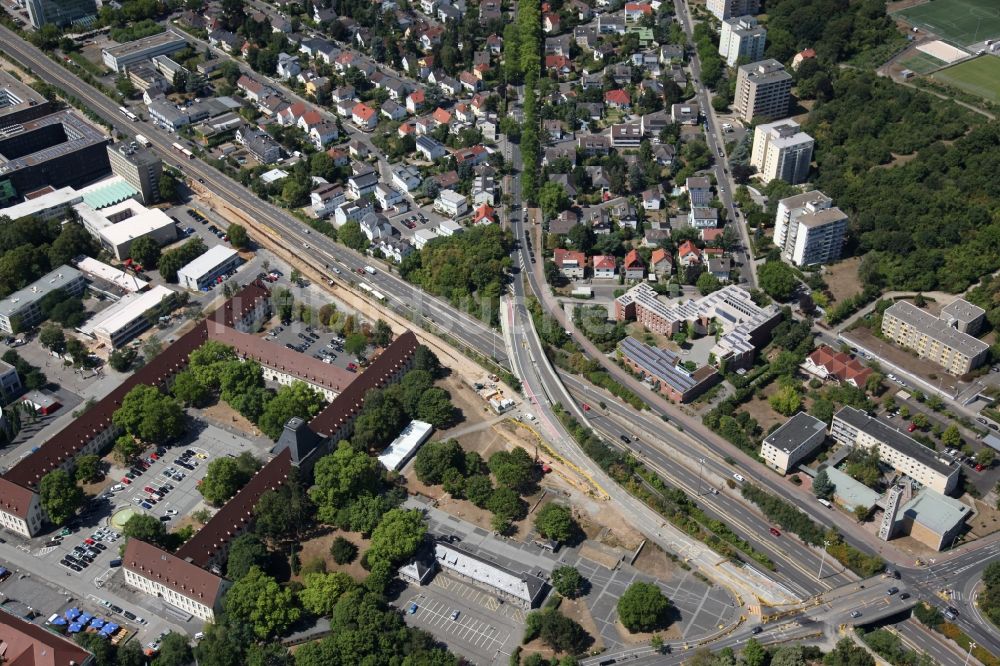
x=962, y=22
x=980, y=76
x=922, y=63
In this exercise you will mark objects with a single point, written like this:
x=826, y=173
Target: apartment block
x=21, y=310
x=663, y=369
x=809, y=230
x=782, y=150
x=793, y=442
x=742, y=37
x=906, y=455
x=140, y=167
x=59, y=12
x=938, y=339
x=742, y=326
x=762, y=90
x=723, y=9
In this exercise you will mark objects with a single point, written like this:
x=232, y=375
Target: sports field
x=961, y=22
x=979, y=76
x=921, y=63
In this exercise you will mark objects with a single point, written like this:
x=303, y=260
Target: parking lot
x=458, y=618
x=323, y=345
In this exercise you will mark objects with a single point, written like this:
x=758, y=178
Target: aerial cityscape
x=499, y=332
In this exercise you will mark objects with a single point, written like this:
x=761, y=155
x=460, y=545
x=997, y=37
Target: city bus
x=128, y=114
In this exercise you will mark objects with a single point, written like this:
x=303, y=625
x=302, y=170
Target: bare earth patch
x=986, y=519
x=319, y=547
x=654, y=561
x=224, y=415
x=576, y=609
x=842, y=278
x=761, y=410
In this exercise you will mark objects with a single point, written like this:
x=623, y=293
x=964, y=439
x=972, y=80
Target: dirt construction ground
x=842, y=278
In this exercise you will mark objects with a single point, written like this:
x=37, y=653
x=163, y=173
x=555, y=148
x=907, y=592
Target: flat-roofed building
x=854, y=427
x=782, y=150
x=963, y=316
x=120, y=225
x=763, y=90
x=405, y=446
x=60, y=12
x=937, y=339
x=742, y=37
x=793, y=442
x=19, y=102
x=120, y=56
x=663, y=368
x=140, y=167
x=118, y=324
x=10, y=382
x=54, y=205
x=21, y=310
x=206, y=269
x=723, y=9
x=120, y=279
x=181, y=584
x=809, y=230
x=934, y=520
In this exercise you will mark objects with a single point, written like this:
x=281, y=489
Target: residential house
x=483, y=190
x=617, y=99
x=364, y=117
x=415, y=102
x=720, y=268
x=392, y=110
x=406, y=178
x=671, y=54
x=423, y=236
x=430, y=148
x=636, y=11
x=339, y=157
x=396, y=249
x=259, y=144
x=562, y=65
x=660, y=263
x=686, y=113
x=447, y=180
x=664, y=154
x=563, y=180
x=464, y=114
x=553, y=154
x=251, y=88
x=448, y=12
x=478, y=105
x=633, y=267
x=343, y=94
x=225, y=40
x=652, y=199
x=387, y=196
x=290, y=115
x=288, y=66
x=593, y=144
x=551, y=22
x=610, y=24
x=626, y=135
x=352, y=211
x=441, y=117
x=599, y=177
x=702, y=217
x=375, y=227
x=472, y=156
x=323, y=133
x=449, y=85
x=572, y=264
x=625, y=213
x=605, y=267
x=688, y=254
x=358, y=150
x=484, y=214
x=451, y=203
x=325, y=199
x=699, y=190
x=582, y=9
x=558, y=45
x=358, y=186
x=564, y=222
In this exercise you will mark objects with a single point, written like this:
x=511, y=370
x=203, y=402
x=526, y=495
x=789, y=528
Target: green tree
x=322, y=591
x=754, y=653
x=985, y=456
x=382, y=334
x=122, y=359
x=435, y=458
x=707, y=283
x=350, y=234
x=555, y=521
x=513, y=469
x=258, y=601
x=786, y=400
x=777, y=280
x=921, y=421
x=425, y=359
x=568, y=581
x=60, y=497
x=397, y=537
x=823, y=487
x=283, y=514
x=226, y=476
x=506, y=507
x=174, y=651
x=557, y=631
x=643, y=607
x=297, y=399
x=951, y=437
x=479, y=489
x=435, y=407
x=238, y=236
x=167, y=186
x=189, y=389
x=150, y=416
x=355, y=344
x=146, y=251
x=88, y=468
x=246, y=551
x=52, y=337
x=380, y=420
x=127, y=449
x=552, y=199
x=341, y=477
x=847, y=653
x=145, y=528
x=343, y=551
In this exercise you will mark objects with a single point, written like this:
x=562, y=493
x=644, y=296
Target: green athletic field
x=979, y=76
x=921, y=63
x=962, y=22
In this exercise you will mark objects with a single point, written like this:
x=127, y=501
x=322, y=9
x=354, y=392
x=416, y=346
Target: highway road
x=286, y=230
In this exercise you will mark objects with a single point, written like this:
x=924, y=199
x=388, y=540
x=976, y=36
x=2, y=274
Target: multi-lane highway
x=285, y=230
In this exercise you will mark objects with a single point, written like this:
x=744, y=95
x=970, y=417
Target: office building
x=21, y=311
x=723, y=9
x=781, y=150
x=796, y=439
x=809, y=230
x=208, y=268
x=934, y=520
x=742, y=37
x=140, y=167
x=119, y=57
x=663, y=369
x=938, y=339
x=60, y=12
x=742, y=325
x=854, y=427
x=56, y=150
x=762, y=90
x=181, y=584
x=118, y=324
x=20, y=102
x=120, y=225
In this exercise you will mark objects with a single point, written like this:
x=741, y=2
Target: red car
x=154, y=456
x=147, y=489
x=775, y=532
x=353, y=367
x=912, y=427
x=89, y=541
x=979, y=468
x=127, y=481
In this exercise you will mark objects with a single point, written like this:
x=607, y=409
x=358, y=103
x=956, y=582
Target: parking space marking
x=479, y=597
x=471, y=630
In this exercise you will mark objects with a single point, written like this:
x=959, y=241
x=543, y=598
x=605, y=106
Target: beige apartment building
x=782, y=150
x=941, y=340
x=762, y=90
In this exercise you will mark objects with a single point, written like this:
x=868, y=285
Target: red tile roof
x=686, y=248
x=617, y=96
x=639, y=7
x=658, y=255
x=363, y=111
x=560, y=256
x=417, y=96
x=632, y=260
x=556, y=61
x=843, y=366
x=441, y=116
x=185, y=578
x=235, y=516
x=605, y=262
x=25, y=643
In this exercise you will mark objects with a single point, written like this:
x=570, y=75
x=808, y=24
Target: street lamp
x=826, y=544
x=972, y=646
x=701, y=464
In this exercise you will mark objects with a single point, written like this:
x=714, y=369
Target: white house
x=406, y=178
x=430, y=148
x=325, y=199
x=451, y=203
x=288, y=66
x=387, y=196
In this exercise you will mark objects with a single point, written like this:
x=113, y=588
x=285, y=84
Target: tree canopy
x=643, y=607
x=150, y=416
x=225, y=476
x=60, y=497
x=261, y=603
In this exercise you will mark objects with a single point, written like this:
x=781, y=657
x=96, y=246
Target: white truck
x=369, y=270
x=143, y=141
